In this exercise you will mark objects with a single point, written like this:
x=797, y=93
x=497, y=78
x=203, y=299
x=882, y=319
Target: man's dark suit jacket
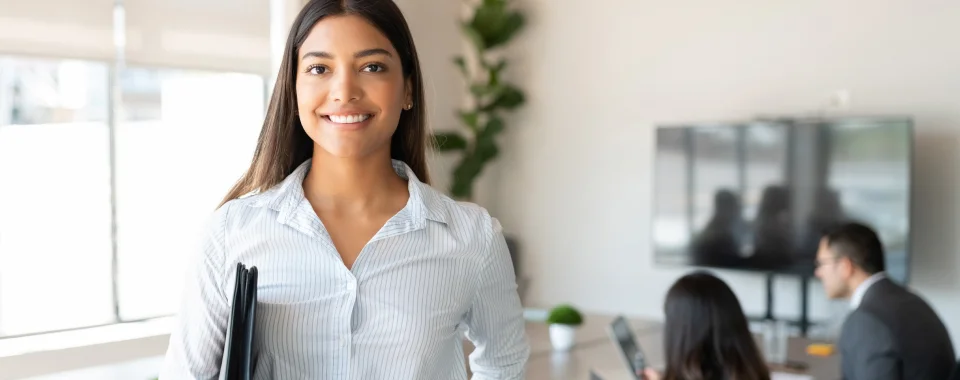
x=894, y=334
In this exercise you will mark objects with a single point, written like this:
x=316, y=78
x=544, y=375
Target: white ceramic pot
x=562, y=337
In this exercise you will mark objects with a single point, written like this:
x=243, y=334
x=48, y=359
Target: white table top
x=593, y=350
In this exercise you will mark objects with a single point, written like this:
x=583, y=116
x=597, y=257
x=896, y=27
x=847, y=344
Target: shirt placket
x=345, y=322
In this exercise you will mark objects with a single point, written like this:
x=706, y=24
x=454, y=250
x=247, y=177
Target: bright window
x=182, y=139
x=186, y=137
x=55, y=240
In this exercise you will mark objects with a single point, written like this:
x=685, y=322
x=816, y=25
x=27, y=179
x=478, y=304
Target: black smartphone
x=630, y=351
x=796, y=365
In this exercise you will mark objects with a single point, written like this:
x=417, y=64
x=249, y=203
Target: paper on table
x=789, y=376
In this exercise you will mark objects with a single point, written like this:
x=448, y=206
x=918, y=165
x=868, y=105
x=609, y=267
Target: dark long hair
x=283, y=144
x=706, y=333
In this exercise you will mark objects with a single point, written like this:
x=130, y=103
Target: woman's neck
x=352, y=184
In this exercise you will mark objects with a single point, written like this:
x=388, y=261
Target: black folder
x=238, y=352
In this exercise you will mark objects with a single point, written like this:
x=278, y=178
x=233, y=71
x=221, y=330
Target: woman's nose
x=345, y=88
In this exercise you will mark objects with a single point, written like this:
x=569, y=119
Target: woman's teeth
x=348, y=119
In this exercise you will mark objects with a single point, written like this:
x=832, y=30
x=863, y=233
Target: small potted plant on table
x=564, y=321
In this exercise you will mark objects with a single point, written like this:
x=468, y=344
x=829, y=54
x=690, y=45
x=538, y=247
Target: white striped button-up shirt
x=435, y=270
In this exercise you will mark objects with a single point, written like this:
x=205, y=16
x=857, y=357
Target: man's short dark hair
x=860, y=244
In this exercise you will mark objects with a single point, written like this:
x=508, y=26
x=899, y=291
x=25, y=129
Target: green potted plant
x=564, y=321
x=492, y=25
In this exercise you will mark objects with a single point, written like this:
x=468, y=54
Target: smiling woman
x=365, y=271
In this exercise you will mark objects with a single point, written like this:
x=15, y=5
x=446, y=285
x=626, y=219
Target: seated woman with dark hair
x=706, y=336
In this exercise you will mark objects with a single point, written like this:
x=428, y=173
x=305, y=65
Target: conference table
x=595, y=351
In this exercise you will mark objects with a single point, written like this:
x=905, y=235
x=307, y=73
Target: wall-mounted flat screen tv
x=758, y=195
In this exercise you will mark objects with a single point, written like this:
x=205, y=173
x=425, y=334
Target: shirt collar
x=864, y=286
x=425, y=202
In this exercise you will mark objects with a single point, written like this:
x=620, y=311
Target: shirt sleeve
x=495, y=321
x=196, y=342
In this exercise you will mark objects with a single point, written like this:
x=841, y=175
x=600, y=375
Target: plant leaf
x=486, y=17
x=486, y=149
x=474, y=36
x=464, y=175
x=471, y=119
x=449, y=141
x=485, y=146
x=480, y=90
x=494, y=71
x=493, y=127
x=496, y=24
x=471, y=165
x=509, y=97
x=462, y=64
x=507, y=26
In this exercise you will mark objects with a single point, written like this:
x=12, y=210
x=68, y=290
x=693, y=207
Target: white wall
x=436, y=32
x=575, y=177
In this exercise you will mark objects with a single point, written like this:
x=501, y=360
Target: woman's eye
x=317, y=70
x=373, y=68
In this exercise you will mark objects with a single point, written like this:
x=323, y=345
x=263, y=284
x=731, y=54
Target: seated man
x=891, y=333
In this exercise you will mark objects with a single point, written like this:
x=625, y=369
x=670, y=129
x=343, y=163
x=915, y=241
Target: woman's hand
x=650, y=374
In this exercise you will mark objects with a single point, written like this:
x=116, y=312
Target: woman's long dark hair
x=283, y=144
x=706, y=333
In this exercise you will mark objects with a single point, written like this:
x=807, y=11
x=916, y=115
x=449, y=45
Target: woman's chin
x=348, y=151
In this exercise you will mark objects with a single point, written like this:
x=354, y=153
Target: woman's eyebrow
x=359, y=54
